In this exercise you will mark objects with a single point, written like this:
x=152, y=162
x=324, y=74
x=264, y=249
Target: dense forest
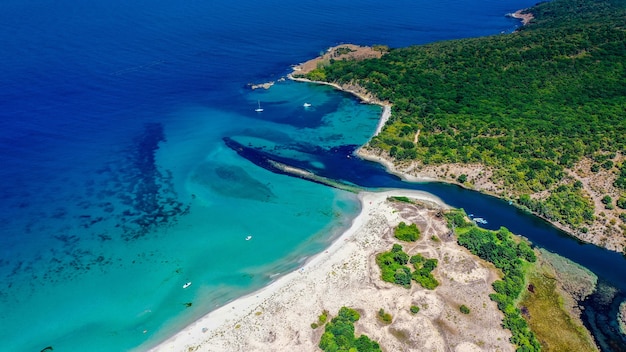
x=529, y=105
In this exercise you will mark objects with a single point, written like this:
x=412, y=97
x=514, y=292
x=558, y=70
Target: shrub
x=415, y=309
x=408, y=233
x=457, y=218
x=384, y=316
x=464, y=309
x=462, y=178
x=339, y=334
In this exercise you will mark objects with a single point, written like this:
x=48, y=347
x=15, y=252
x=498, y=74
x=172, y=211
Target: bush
x=384, y=316
x=393, y=268
x=621, y=202
x=408, y=233
x=415, y=309
x=457, y=218
x=462, y=178
x=339, y=334
x=464, y=309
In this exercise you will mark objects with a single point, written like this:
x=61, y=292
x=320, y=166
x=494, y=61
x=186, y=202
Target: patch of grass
x=401, y=199
x=549, y=320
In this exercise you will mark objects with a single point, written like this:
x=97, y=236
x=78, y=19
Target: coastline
x=223, y=317
x=413, y=172
x=524, y=17
x=279, y=316
x=234, y=323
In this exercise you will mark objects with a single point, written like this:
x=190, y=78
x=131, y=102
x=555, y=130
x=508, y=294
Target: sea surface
x=117, y=187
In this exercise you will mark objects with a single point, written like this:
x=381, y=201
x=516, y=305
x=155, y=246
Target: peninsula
x=486, y=138
x=536, y=117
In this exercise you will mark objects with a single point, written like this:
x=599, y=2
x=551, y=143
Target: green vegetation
x=565, y=204
x=402, y=199
x=528, y=104
x=499, y=248
x=393, y=267
x=339, y=334
x=415, y=309
x=321, y=320
x=384, y=316
x=464, y=309
x=407, y=233
x=342, y=51
x=423, y=271
x=546, y=314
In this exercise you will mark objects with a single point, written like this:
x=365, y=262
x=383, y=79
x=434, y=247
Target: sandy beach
x=279, y=316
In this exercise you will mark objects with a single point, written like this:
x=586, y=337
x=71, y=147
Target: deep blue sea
x=117, y=187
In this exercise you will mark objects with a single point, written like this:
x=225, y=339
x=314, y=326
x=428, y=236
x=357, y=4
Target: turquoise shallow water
x=117, y=187
x=121, y=292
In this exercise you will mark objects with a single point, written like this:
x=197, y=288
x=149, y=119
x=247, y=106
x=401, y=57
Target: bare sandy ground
x=279, y=316
x=525, y=17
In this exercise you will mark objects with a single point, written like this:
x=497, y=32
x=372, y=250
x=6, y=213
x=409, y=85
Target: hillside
x=537, y=116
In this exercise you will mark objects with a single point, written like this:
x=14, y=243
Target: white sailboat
x=259, y=109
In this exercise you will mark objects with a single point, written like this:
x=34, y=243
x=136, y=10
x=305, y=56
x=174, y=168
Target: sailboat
x=259, y=109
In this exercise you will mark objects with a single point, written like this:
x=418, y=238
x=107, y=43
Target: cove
x=599, y=309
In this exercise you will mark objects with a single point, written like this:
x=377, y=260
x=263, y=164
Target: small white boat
x=248, y=238
x=259, y=109
x=187, y=284
x=307, y=105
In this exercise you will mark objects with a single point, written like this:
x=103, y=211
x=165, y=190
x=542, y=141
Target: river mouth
x=342, y=168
